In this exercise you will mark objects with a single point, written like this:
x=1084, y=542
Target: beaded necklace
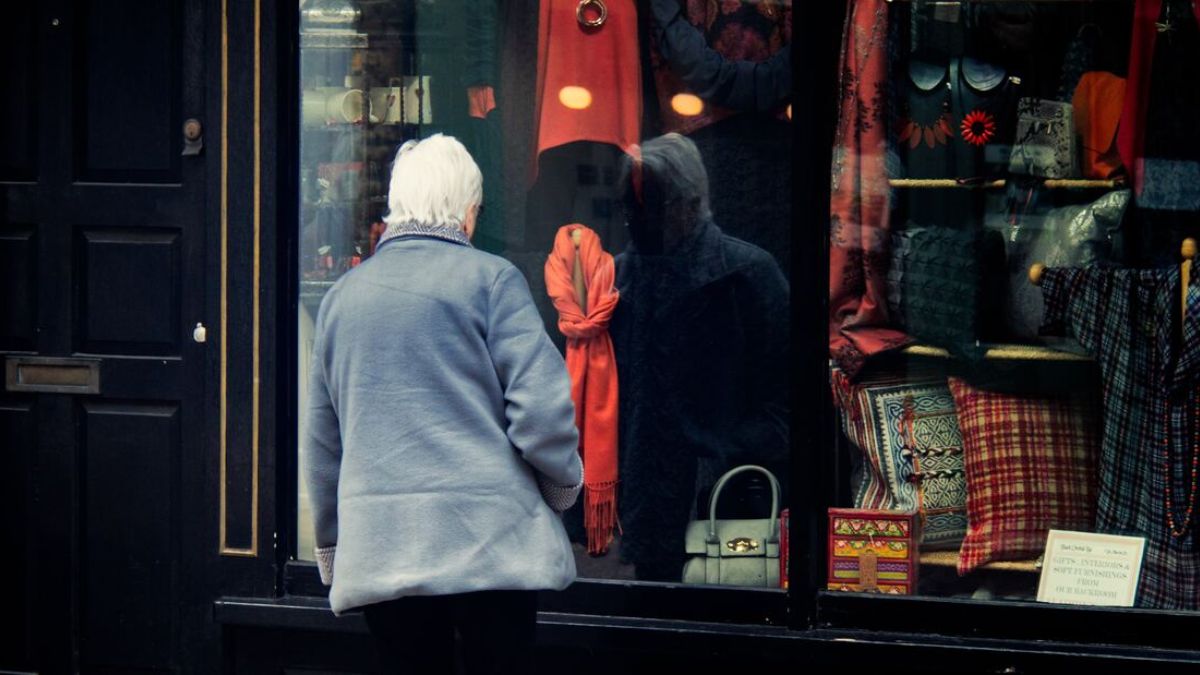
x=1178, y=531
x=1182, y=529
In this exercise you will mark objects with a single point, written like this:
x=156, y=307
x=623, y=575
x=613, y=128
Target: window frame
x=859, y=613
x=594, y=597
x=805, y=605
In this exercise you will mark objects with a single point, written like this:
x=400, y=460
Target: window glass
x=1013, y=336
x=664, y=136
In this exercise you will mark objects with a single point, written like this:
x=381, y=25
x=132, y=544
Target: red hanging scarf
x=859, y=206
x=592, y=365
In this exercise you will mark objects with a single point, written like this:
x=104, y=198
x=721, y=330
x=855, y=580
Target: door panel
x=102, y=256
x=18, y=106
x=18, y=429
x=130, y=290
x=18, y=276
x=132, y=530
x=127, y=80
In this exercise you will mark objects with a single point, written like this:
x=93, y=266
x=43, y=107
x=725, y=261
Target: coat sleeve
x=741, y=85
x=537, y=390
x=321, y=456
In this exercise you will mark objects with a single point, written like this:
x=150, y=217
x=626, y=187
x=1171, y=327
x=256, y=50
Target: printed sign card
x=1080, y=568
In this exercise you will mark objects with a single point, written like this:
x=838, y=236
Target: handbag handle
x=773, y=534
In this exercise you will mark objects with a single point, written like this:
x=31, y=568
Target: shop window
x=1014, y=336
x=692, y=200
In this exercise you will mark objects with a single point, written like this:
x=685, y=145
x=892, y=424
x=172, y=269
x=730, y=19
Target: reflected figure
x=701, y=338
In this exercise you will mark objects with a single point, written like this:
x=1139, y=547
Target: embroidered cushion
x=911, y=447
x=1031, y=467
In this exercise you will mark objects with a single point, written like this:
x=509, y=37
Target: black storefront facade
x=150, y=410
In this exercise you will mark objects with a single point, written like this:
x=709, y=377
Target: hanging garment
x=592, y=364
x=1128, y=320
x=957, y=119
x=1161, y=76
x=1097, y=102
x=589, y=78
x=859, y=203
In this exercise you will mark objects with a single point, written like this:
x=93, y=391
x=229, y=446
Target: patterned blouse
x=1128, y=320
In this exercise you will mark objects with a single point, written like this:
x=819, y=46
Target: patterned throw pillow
x=907, y=432
x=1031, y=467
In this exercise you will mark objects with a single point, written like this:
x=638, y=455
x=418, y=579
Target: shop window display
x=636, y=161
x=1013, y=327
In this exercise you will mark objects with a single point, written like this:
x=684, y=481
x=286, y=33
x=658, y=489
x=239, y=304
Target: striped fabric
x=1125, y=318
x=1030, y=464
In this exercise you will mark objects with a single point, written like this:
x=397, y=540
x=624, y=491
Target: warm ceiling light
x=575, y=98
x=789, y=111
x=688, y=105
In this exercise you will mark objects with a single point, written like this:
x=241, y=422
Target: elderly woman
x=439, y=442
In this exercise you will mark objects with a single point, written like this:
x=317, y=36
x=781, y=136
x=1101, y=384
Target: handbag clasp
x=742, y=545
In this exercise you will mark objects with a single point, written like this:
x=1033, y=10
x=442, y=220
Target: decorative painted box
x=873, y=551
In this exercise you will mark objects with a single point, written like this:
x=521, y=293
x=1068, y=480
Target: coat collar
x=415, y=229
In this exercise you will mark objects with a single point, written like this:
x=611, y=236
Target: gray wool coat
x=440, y=438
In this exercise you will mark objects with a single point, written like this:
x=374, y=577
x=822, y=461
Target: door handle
x=52, y=375
x=193, y=137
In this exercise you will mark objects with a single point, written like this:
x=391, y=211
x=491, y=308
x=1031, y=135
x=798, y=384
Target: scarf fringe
x=599, y=515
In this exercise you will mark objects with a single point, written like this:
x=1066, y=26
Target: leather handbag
x=734, y=552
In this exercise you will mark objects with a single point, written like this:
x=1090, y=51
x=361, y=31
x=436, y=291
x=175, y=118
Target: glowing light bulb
x=688, y=105
x=575, y=98
x=789, y=111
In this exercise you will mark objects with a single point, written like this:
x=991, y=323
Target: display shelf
x=950, y=559
x=1051, y=183
x=340, y=127
x=326, y=39
x=1003, y=352
x=311, y=292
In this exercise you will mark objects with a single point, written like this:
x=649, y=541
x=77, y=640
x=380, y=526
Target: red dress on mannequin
x=602, y=60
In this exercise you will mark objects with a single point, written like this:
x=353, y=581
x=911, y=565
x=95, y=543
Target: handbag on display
x=734, y=552
x=874, y=551
x=1045, y=144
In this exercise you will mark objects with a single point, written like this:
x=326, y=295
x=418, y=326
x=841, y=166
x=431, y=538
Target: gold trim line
x=224, y=547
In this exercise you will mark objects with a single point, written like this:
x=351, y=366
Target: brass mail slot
x=51, y=375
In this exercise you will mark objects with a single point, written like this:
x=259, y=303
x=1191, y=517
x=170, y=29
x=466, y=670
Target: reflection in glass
x=702, y=245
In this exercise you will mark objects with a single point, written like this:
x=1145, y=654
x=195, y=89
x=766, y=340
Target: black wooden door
x=101, y=285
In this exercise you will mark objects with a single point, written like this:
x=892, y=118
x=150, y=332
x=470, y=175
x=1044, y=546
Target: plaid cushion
x=1031, y=467
x=907, y=432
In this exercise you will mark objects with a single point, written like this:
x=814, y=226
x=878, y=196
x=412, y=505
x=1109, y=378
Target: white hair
x=434, y=182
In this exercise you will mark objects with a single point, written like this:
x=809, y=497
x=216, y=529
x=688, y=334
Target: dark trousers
x=495, y=628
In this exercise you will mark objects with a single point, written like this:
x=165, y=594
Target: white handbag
x=734, y=552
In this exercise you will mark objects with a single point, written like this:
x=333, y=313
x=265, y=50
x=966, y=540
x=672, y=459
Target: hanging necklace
x=933, y=132
x=1181, y=529
x=1177, y=531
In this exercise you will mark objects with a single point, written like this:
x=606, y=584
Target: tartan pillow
x=907, y=431
x=1030, y=464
